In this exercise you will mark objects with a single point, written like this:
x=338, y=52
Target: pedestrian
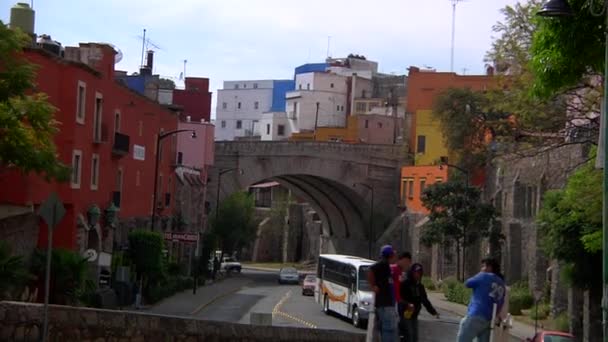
x=381, y=281
x=216, y=267
x=399, y=272
x=488, y=291
x=413, y=297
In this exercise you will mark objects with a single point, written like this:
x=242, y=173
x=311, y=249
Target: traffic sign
x=52, y=210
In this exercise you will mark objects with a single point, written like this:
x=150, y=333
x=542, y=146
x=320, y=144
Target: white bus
x=342, y=286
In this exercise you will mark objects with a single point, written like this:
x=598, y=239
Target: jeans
x=411, y=329
x=472, y=327
x=387, y=323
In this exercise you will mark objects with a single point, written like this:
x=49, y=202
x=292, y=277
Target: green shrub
x=561, y=322
x=429, y=284
x=544, y=310
x=455, y=291
x=519, y=299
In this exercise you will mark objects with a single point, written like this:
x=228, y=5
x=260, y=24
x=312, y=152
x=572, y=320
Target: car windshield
x=229, y=260
x=310, y=278
x=288, y=271
x=554, y=338
x=363, y=284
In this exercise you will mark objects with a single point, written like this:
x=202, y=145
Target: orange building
x=414, y=179
x=424, y=86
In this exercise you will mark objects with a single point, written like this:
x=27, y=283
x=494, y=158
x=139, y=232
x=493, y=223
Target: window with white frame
x=281, y=130
x=255, y=86
x=76, y=169
x=256, y=105
x=238, y=105
x=223, y=123
x=97, y=117
x=81, y=95
x=239, y=124
x=267, y=129
x=94, y=171
x=224, y=105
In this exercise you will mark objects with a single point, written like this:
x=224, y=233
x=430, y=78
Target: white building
x=330, y=92
x=241, y=104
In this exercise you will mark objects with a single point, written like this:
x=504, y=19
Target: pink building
x=196, y=153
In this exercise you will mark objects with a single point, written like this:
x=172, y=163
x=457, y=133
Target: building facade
x=241, y=105
x=423, y=86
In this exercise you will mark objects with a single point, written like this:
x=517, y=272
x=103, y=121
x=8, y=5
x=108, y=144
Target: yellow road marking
x=276, y=311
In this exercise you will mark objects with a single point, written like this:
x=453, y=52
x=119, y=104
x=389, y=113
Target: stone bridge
x=324, y=174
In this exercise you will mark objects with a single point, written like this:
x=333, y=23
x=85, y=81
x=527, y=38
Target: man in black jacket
x=413, y=297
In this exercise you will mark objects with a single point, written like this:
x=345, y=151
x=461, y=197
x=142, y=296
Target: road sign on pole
x=51, y=211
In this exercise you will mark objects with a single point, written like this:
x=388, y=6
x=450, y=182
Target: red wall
x=59, y=79
x=195, y=99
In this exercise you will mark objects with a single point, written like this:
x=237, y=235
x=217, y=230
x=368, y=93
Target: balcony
x=121, y=144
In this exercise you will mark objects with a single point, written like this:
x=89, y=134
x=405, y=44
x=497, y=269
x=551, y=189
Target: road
x=256, y=291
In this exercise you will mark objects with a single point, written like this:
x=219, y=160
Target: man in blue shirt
x=488, y=289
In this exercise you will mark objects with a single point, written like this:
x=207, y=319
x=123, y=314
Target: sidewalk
x=519, y=330
x=188, y=304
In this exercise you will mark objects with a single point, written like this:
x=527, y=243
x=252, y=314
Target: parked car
x=231, y=265
x=551, y=336
x=288, y=275
x=309, y=284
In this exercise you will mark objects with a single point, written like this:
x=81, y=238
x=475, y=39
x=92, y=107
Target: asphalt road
x=255, y=291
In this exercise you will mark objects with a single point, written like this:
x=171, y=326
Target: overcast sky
x=266, y=39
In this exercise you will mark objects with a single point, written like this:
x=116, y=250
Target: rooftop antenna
x=185, y=61
x=454, y=3
x=143, y=47
x=328, y=42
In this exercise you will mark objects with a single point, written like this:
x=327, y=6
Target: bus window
x=363, y=283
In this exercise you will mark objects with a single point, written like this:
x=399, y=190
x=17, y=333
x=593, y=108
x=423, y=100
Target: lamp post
x=464, y=229
x=371, y=217
x=219, y=184
x=159, y=138
x=561, y=8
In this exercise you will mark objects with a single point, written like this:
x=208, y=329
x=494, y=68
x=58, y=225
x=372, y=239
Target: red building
x=108, y=136
x=195, y=99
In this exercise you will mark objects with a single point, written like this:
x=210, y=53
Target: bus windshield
x=363, y=283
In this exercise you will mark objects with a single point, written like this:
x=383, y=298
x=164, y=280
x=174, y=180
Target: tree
x=570, y=222
x=165, y=83
x=13, y=272
x=70, y=280
x=235, y=224
x=27, y=126
x=146, y=253
x=467, y=119
x=457, y=215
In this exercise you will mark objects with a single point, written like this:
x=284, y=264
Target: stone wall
x=23, y=322
x=516, y=184
x=20, y=232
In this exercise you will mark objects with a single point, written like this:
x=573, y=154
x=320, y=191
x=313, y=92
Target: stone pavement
x=519, y=330
x=188, y=304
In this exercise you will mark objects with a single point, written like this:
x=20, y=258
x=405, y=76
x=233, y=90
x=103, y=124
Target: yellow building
x=369, y=129
x=429, y=144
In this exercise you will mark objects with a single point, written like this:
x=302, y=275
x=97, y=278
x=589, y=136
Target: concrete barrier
x=23, y=322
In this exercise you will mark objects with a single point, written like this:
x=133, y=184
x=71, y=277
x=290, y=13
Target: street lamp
x=219, y=183
x=561, y=8
x=464, y=229
x=159, y=138
x=371, y=217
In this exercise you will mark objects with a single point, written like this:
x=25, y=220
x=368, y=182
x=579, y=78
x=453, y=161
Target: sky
x=267, y=39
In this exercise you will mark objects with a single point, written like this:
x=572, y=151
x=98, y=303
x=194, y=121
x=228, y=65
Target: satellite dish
x=118, y=56
x=90, y=255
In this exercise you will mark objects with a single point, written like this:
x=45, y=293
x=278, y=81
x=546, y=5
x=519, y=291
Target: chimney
x=490, y=70
x=150, y=60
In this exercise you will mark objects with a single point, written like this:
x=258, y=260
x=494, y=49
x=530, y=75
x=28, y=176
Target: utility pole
x=454, y=3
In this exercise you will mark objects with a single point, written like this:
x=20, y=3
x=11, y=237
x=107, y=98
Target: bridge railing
x=292, y=148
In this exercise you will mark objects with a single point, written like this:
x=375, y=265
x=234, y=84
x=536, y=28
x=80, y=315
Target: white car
x=230, y=265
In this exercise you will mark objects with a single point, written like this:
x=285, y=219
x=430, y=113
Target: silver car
x=288, y=275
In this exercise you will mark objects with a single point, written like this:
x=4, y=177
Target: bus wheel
x=326, y=305
x=356, y=318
